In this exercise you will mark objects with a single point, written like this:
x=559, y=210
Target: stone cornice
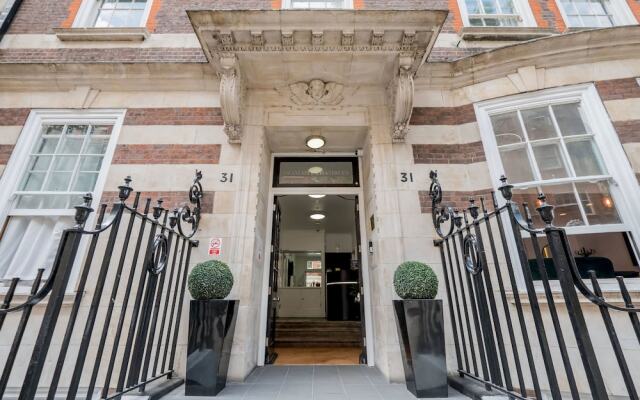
x=555, y=51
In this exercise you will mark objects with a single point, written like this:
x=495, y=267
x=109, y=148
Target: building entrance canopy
x=313, y=55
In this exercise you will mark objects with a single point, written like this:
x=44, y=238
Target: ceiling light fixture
x=315, y=142
x=317, y=196
x=315, y=170
x=317, y=217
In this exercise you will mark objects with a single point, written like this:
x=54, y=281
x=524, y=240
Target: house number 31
x=406, y=177
x=226, y=177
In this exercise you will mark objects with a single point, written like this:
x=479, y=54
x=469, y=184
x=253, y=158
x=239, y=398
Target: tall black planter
x=421, y=333
x=211, y=327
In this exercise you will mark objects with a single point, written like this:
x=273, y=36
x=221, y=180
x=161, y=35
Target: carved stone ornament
x=231, y=94
x=402, y=94
x=316, y=92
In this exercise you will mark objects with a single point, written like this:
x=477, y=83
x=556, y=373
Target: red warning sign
x=215, y=246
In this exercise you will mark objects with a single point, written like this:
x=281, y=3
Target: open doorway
x=316, y=310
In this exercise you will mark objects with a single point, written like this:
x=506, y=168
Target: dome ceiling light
x=316, y=142
x=317, y=217
x=315, y=170
x=317, y=196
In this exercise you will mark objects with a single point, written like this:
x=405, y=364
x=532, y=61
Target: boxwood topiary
x=415, y=280
x=210, y=280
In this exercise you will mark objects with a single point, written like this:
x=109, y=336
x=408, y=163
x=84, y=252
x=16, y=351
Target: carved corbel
x=402, y=95
x=231, y=97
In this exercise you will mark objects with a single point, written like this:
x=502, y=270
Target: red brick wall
x=466, y=153
x=167, y=154
x=443, y=115
x=171, y=200
x=5, y=152
x=455, y=199
x=13, y=116
x=628, y=131
x=616, y=89
x=111, y=55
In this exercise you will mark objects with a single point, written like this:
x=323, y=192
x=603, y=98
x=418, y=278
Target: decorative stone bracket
x=402, y=99
x=231, y=97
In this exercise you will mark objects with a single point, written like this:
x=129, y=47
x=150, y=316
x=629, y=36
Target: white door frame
x=359, y=191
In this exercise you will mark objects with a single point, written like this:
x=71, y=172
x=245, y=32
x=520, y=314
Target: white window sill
x=498, y=33
x=101, y=34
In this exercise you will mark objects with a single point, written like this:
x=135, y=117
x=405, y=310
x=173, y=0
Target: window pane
x=538, y=123
x=475, y=22
x=58, y=181
x=550, y=162
x=489, y=7
x=96, y=145
x=85, y=182
x=139, y=4
x=563, y=198
x=77, y=129
x=119, y=18
x=52, y=129
x=569, y=119
x=109, y=4
x=585, y=158
x=90, y=163
x=598, y=203
x=134, y=18
x=507, y=128
x=101, y=130
x=39, y=163
x=71, y=145
x=64, y=163
x=46, y=145
x=33, y=181
x=516, y=165
x=473, y=7
x=103, y=19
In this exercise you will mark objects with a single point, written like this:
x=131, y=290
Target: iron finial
x=473, y=208
x=125, y=190
x=457, y=218
x=84, y=210
x=545, y=210
x=173, y=218
x=505, y=188
x=157, y=210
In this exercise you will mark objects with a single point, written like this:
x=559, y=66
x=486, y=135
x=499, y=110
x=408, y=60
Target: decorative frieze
x=316, y=92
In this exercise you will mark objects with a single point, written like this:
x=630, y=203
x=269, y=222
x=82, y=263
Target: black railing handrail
x=143, y=338
x=484, y=325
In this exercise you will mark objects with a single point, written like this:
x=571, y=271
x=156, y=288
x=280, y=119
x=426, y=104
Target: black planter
x=421, y=333
x=211, y=327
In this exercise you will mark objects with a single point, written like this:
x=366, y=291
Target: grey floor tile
x=394, y=392
x=330, y=396
x=295, y=391
x=272, y=375
x=263, y=391
x=254, y=375
x=361, y=392
x=303, y=374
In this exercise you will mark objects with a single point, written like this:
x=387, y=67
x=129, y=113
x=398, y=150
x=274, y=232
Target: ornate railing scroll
x=497, y=277
x=123, y=317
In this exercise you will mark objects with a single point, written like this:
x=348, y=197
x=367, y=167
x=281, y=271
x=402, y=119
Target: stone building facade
x=205, y=84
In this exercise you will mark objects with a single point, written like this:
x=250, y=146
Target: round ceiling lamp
x=316, y=142
x=315, y=170
x=317, y=217
x=317, y=196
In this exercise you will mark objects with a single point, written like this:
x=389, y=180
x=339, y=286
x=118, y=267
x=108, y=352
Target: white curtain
x=30, y=243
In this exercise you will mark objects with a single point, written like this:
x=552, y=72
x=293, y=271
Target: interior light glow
x=317, y=196
x=315, y=170
x=315, y=142
x=317, y=217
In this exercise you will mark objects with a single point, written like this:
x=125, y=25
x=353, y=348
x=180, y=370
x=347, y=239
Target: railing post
x=562, y=259
x=65, y=258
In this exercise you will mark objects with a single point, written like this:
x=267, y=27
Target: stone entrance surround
x=311, y=382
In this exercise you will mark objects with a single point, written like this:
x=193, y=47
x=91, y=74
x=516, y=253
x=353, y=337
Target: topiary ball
x=210, y=280
x=415, y=280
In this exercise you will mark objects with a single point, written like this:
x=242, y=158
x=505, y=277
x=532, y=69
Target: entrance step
x=314, y=332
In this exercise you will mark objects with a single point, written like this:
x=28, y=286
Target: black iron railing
x=120, y=331
x=527, y=338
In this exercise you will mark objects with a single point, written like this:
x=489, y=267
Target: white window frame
x=29, y=135
x=623, y=186
x=527, y=19
x=620, y=11
x=88, y=12
x=346, y=5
